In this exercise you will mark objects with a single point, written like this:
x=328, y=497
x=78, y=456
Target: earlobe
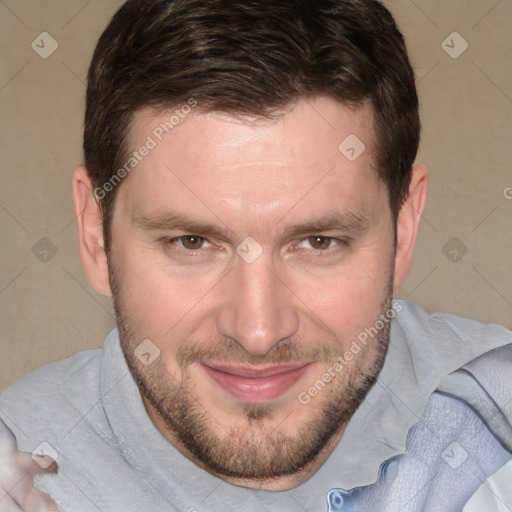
x=90, y=232
x=408, y=223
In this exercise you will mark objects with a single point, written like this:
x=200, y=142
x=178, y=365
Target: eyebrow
x=344, y=221
x=173, y=221
x=168, y=221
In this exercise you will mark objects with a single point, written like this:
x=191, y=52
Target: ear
x=90, y=232
x=408, y=223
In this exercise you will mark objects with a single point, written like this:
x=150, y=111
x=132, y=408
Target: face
x=252, y=254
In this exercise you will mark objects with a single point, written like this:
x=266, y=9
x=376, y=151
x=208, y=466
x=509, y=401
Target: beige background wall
x=463, y=263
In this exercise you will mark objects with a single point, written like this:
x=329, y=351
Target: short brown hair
x=250, y=57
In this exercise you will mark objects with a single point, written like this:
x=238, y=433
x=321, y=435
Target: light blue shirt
x=112, y=458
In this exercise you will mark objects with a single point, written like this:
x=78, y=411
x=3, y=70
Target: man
x=249, y=199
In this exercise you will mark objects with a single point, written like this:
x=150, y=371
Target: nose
x=258, y=309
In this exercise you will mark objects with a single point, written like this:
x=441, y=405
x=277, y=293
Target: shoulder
x=443, y=342
x=485, y=384
x=50, y=397
x=413, y=318
x=493, y=370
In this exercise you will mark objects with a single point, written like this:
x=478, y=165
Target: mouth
x=255, y=384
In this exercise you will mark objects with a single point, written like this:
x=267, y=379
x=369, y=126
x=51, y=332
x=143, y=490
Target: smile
x=250, y=384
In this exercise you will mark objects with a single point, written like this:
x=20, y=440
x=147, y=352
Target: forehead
x=217, y=161
x=305, y=129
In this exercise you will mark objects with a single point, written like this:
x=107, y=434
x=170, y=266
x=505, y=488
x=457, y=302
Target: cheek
x=162, y=304
x=346, y=302
x=169, y=306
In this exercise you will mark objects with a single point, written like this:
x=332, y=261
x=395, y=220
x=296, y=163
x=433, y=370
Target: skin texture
x=302, y=301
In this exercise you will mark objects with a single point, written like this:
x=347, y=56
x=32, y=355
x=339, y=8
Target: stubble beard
x=254, y=448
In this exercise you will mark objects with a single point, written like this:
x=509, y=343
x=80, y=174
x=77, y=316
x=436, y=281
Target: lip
x=252, y=384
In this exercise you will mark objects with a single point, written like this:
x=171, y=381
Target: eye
x=191, y=242
x=319, y=243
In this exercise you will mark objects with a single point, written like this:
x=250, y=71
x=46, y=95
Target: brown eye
x=191, y=242
x=320, y=242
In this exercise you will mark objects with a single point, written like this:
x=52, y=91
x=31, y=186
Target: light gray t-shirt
x=112, y=458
